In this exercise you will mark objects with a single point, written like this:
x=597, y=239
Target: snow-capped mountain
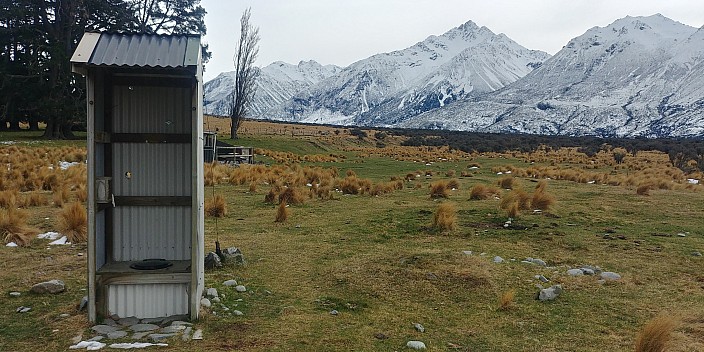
x=276, y=83
x=388, y=88
x=639, y=76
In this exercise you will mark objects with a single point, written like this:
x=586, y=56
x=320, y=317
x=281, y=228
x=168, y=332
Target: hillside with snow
x=639, y=76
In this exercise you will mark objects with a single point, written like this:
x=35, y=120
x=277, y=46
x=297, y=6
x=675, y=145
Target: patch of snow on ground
x=61, y=241
x=51, y=235
x=693, y=181
x=11, y=244
x=88, y=345
x=127, y=346
x=66, y=164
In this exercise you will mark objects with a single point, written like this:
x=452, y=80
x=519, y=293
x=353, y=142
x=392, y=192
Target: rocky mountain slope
x=276, y=84
x=639, y=76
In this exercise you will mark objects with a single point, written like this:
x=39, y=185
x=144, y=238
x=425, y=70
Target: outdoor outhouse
x=145, y=173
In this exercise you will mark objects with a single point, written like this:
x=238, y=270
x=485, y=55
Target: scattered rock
x=212, y=292
x=172, y=329
x=233, y=255
x=155, y=321
x=681, y=234
x=229, y=283
x=431, y=276
x=181, y=323
x=83, y=304
x=94, y=338
x=416, y=345
x=117, y=334
x=129, y=321
x=52, y=286
x=608, y=275
x=542, y=278
x=240, y=288
x=380, y=336
x=697, y=254
x=550, y=293
x=104, y=329
x=212, y=261
x=198, y=335
x=575, y=272
x=469, y=253
x=237, y=312
x=205, y=302
x=140, y=335
x=215, y=300
x=144, y=327
x=65, y=315
x=187, y=333
x=498, y=260
x=334, y=312
x=419, y=327
x=15, y=294
x=23, y=309
x=160, y=337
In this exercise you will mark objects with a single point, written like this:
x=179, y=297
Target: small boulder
x=212, y=261
x=204, y=302
x=575, y=272
x=240, y=288
x=212, y=292
x=610, y=276
x=416, y=345
x=52, y=286
x=419, y=327
x=550, y=293
x=498, y=260
x=144, y=327
x=233, y=255
x=230, y=283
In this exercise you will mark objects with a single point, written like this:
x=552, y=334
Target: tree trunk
x=233, y=129
x=33, y=124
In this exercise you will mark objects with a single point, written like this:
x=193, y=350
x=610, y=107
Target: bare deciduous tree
x=245, y=72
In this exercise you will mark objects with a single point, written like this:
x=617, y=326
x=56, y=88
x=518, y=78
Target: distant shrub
x=359, y=133
x=656, y=334
x=282, y=212
x=381, y=135
x=73, y=222
x=453, y=184
x=482, y=192
x=644, y=189
x=507, y=182
x=439, y=189
x=450, y=173
x=216, y=207
x=445, y=218
x=506, y=300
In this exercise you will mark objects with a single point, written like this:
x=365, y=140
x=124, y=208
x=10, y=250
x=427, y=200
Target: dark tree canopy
x=38, y=37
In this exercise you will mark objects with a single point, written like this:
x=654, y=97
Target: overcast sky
x=341, y=32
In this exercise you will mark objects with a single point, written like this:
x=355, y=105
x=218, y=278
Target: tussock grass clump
x=439, y=189
x=8, y=199
x=655, y=334
x=73, y=222
x=445, y=218
x=282, y=212
x=35, y=199
x=216, y=207
x=61, y=196
x=541, y=198
x=507, y=182
x=450, y=173
x=482, y=192
x=293, y=196
x=506, y=300
x=514, y=202
x=644, y=189
x=82, y=194
x=14, y=228
x=453, y=184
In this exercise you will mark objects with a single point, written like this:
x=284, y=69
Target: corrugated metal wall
x=140, y=109
x=148, y=300
x=155, y=169
x=143, y=232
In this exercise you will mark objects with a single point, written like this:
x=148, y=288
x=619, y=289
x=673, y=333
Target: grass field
x=377, y=259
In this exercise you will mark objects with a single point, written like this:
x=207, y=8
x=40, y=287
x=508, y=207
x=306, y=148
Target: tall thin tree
x=245, y=72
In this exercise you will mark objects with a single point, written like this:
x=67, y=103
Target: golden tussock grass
x=216, y=207
x=656, y=334
x=14, y=228
x=73, y=222
x=439, y=189
x=507, y=182
x=453, y=184
x=445, y=218
x=450, y=173
x=35, y=199
x=61, y=196
x=292, y=196
x=282, y=212
x=482, y=192
x=506, y=300
x=541, y=199
x=82, y=194
x=514, y=202
x=8, y=199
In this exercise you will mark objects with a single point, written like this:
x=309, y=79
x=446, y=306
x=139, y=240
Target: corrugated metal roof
x=145, y=50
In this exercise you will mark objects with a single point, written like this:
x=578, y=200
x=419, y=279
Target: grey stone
x=140, y=335
x=144, y=327
x=83, y=304
x=233, y=255
x=237, y=312
x=575, y=272
x=104, y=329
x=334, y=312
x=197, y=335
x=179, y=317
x=230, y=283
x=156, y=321
x=181, y=323
x=129, y=321
x=467, y=252
x=416, y=345
x=542, y=278
x=64, y=315
x=215, y=300
x=186, y=333
x=588, y=271
x=109, y=322
x=211, y=292
x=681, y=234
x=160, y=337
x=597, y=270
x=97, y=338
x=117, y=334
x=212, y=261
x=419, y=327
x=697, y=254
x=51, y=286
x=240, y=288
x=172, y=329
x=23, y=309
x=550, y=293
x=498, y=260
x=609, y=275
x=205, y=303
x=15, y=294
x=538, y=262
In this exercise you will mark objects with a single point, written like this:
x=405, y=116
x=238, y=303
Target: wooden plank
x=151, y=138
x=152, y=201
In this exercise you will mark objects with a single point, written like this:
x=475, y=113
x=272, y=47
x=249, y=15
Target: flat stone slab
x=128, y=321
x=144, y=327
x=51, y=286
x=160, y=337
x=172, y=329
x=117, y=334
x=104, y=329
x=230, y=283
